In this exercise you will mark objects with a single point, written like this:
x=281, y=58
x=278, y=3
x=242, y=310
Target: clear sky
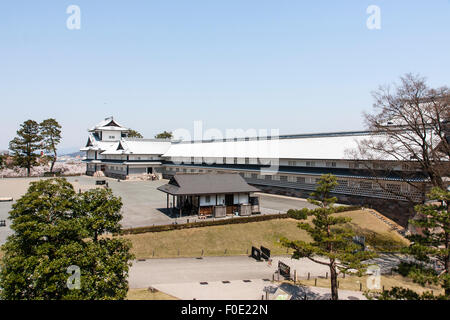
x=297, y=66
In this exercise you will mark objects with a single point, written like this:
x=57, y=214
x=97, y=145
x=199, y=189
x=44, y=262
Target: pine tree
x=50, y=131
x=54, y=229
x=332, y=243
x=430, y=245
x=164, y=135
x=25, y=145
x=134, y=134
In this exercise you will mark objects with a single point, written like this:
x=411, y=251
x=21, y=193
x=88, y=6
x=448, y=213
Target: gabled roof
x=109, y=124
x=94, y=144
x=139, y=146
x=334, y=146
x=208, y=183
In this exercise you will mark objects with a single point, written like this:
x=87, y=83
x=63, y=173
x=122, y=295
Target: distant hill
x=75, y=154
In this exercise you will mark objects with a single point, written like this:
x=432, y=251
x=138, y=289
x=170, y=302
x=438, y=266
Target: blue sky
x=297, y=66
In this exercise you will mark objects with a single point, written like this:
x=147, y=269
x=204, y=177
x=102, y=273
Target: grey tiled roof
x=208, y=183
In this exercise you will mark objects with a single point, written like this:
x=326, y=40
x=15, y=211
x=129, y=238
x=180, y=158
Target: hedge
x=301, y=214
x=207, y=223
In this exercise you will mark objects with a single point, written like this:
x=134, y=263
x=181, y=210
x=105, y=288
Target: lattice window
x=301, y=179
x=283, y=178
x=292, y=163
x=331, y=164
x=379, y=165
x=353, y=165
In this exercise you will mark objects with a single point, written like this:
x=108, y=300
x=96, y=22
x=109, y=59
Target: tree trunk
x=53, y=160
x=447, y=265
x=333, y=278
x=51, y=166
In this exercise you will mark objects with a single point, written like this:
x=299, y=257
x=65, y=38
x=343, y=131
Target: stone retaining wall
x=398, y=211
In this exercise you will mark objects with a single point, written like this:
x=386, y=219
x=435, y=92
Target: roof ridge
x=283, y=137
x=146, y=139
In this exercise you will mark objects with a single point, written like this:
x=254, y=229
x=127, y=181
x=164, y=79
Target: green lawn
x=236, y=239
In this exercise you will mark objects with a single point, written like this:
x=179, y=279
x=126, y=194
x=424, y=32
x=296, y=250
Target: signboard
x=284, y=270
x=256, y=253
x=265, y=253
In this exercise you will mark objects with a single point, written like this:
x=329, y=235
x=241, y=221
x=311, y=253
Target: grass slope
x=236, y=239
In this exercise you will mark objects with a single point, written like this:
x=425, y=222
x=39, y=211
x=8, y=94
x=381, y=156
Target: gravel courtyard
x=143, y=204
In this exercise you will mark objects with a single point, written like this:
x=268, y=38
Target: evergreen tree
x=430, y=246
x=134, y=134
x=52, y=232
x=50, y=131
x=164, y=135
x=25, y=145
x=2, y=161
x=332, y=243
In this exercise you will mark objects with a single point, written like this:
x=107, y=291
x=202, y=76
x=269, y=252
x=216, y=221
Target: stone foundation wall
x=116, y=175
x=398, y=211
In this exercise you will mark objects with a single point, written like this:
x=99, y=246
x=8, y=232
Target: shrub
x=205, y=223
x=298, y=214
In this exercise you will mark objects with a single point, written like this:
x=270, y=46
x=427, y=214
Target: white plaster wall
x=144, y=157
x=115, y=135
x=212, y=202
x=240, y=198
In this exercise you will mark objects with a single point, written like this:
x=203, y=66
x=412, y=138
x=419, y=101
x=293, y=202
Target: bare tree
x=410, y=128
